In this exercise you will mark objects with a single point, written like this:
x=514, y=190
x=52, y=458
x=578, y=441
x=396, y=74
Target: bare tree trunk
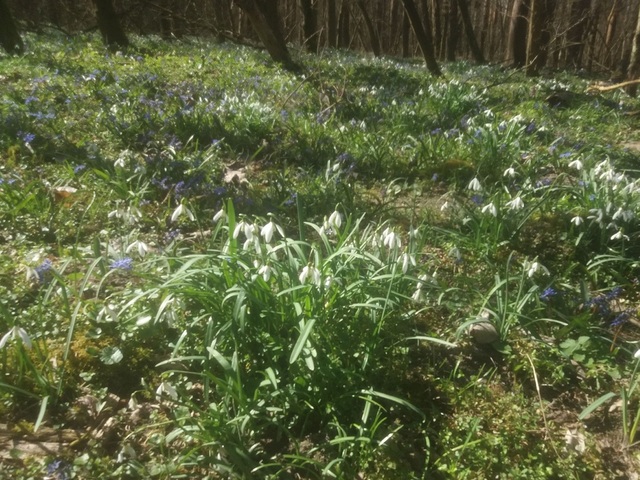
x=310, y=24
x=634, y=61
x=612, y=21
x=332, y=24
x=579, y=17
x=9, y=36
x=406, y=33
x=539, y=35
x=453, y=33
x=265, y=20
x=344, y=26
x=374, y=39
x=518, y=28
x=423, y=35
x=468, y=28
x=113, y=35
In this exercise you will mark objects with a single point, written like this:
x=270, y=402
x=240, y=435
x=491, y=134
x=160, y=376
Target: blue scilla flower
x=548, y=294
x=125, y=263
x=58, y=470
x=621, y=318
x=44, y=271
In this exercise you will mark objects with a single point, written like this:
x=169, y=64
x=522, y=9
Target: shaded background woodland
x=594, y=35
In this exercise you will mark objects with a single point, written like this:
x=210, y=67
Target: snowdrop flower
x=406, y=260
x=509, y=172
x=267, y=231
x=515, y=204
x=335, y=220
x=312, y=273
x=166, y=388
x=182, y=210
x=577, y=221
x=138, y=246
x=490, y=208
x=16, y=333
x=220, y=215
x=474, y=185
x=637, y=354
x=445, y=206
x=577, y=164
x=619, y=236
x=265, y=271
x=390, y=239
x=535, y=267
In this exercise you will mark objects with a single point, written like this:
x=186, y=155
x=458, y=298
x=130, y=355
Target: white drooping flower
x=182, y=210
x=619, y=236
x=509, y=172
x=310, y=273
x=406, y=259
x=220, y=215
x=138, y=246
x=577, y=164
x=390, y=239
x=535, y=267
x=16, y=333
x=265, y=271
x=490, y=208
x=267, y=231
x=335, y=220
x=166, y=388
x=577, y=220
x=515, y=204
x=474, y=185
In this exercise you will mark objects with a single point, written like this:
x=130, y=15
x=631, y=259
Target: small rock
x=484, y=333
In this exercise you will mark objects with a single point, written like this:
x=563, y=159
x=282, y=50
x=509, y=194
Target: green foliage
x=251, y=273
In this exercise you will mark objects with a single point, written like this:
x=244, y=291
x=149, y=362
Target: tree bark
x=406, y=33
x=113, y=35
x=575, y=36
x=9, y=36
x=344, y=26
x=453, y=31
x=634, y=61
x=332, y=24
x=423, y=35
x=264, y=18
x=310, y=24
x=374, y=39
x=539, y=35
x=518, y=28
x=468, y=29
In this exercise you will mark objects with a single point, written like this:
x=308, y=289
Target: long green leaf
x=302, y=339
x=596, y=404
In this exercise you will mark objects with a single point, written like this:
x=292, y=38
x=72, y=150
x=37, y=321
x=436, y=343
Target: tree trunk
x=406, y=33
x=453, y=32
x=332, y=24
x=9, y=36
x=518, y=28
x=468, y=29
x=374, y=39
x=310, y=24
x=344, y=26
x=539, y=35
x=264, y=18
x=634, y=61
x=113, y=35
x=423, y=35
x=575, y=36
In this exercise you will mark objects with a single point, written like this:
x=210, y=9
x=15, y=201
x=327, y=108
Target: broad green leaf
x=302, y=339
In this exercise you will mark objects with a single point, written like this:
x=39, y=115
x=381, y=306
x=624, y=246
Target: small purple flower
x=436, y=131
x=621, y=318
x=477, y=199
x=44, y=271
x=58, y=470
x=291, y=201
x=125, y=263
x=565, y=154
x=531, y=128
x=27, y=137
x=79, y=169
x=547, y=294
x=434, y=177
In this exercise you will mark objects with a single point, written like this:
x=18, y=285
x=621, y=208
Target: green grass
x=212, y=268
